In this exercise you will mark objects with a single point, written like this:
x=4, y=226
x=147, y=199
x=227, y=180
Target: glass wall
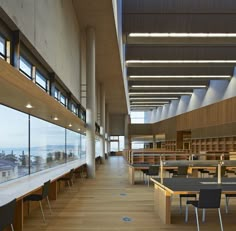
x=82, y=146
x=29, y=144
x=14, y=144
x=72, y=145
x=137, y=117
x=97, y=147
x=47, y=145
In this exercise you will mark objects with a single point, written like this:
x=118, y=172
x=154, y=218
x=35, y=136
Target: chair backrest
x=153, y=170
x=45, y=189
x=182, y=170
x=209, y=198
x=7, y=212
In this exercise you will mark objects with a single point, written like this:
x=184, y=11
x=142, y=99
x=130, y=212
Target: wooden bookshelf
x=153, y=156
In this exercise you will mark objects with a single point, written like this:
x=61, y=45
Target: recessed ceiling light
x=168, y=86
x=70, y=125
x=184, y=35
x=78, y=129
x=179, y=76
x=55, y=118
x=28, y=105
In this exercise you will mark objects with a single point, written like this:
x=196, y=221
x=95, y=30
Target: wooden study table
x=175, y=186
x=21, y=187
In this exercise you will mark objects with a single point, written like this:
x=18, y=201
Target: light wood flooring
x=109, y=203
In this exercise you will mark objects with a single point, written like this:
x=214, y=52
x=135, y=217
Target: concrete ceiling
x=183, y=16
x=99, y=14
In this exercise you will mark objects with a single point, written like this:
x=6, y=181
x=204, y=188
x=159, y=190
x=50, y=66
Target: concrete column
x=126, y=132
x=102, y=121
x=91, y=106
x=107, y=129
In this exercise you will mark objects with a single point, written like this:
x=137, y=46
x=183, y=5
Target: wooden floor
x=109, y=203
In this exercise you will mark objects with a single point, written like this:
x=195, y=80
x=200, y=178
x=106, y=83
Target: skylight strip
x=152, y=98
x=178, y=76
x=184, y=35
x=160, y=93
x=168, y=86
x=180, y=61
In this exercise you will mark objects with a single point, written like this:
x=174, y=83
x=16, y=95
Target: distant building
x=8, y=170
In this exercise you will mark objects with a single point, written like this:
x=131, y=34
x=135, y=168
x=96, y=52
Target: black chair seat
x=230, y=195
x=33, y=197
x=40, y=197
x=227, y=197
x=194, y=203
x=185, y=196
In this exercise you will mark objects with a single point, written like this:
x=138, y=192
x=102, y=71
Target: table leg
x=131, y=175
x=19, y=215
x=162, y=204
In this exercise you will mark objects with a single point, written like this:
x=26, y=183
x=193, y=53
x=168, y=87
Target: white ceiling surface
x=99, y=14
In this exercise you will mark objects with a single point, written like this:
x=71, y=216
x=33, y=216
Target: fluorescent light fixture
x=148, y=102
x=144, y=105
x=160, y=93
x=184, y=35
x=168, y=86
x=179, y=61
x=152, y=98
x=28, y=105
x=179, y=76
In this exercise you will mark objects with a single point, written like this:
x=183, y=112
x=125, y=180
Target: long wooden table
x=175, y=186
x=21, y=187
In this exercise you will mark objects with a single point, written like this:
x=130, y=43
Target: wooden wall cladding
x=221, y=113
x=167, y=127
x=140, y=129
x=217, y=119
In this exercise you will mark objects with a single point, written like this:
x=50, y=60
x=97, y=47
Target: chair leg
x=196, y=213
x=226, y=204
x=186, y=213
x=221, y=225
x=12, y=228
x=41, y=207
x=180, y=204
x=203, y=215
x=49, y=205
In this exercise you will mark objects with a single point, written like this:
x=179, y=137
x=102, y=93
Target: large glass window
x=63, y=99
x=2, y=47
x=25, y=67
x=72, y=145
x=14, y=156
x=137, y=117
x=97, y=147
x=41, y=80
x=47, y=145
x=83, y=146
